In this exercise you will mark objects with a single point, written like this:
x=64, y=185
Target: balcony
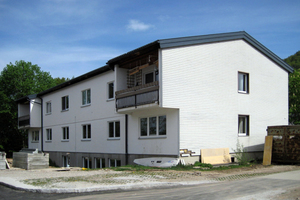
x=24, y=121
x=137, y=96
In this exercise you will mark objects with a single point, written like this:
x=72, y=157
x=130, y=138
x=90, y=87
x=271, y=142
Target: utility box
x=2, y=160
x=28, y=159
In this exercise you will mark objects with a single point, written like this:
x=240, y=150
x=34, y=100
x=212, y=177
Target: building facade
x=192, y=93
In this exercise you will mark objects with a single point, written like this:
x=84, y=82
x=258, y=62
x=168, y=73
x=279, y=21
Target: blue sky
x=71, y=37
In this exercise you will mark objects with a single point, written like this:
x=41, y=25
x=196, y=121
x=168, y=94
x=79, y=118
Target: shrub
x=241, y=154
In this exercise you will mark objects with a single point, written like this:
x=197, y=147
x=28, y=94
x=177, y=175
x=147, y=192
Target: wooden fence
x=286, y=143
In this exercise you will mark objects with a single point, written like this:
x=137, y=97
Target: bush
x=204, y=165
x=241, y=154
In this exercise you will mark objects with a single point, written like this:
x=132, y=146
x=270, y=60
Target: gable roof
x=170, y=43
x=203, y=39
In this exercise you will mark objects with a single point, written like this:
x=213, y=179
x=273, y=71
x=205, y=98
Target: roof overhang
x=77, y=79
x=196, y=40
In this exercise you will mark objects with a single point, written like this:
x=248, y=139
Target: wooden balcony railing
x=136, y=96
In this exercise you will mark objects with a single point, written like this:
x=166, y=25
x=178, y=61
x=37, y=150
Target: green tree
x=16, y=81
x=294, y=97
x=60, y=80
x=294, y=60
x=294, y=88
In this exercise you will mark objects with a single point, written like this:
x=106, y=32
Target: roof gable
x=204, y=39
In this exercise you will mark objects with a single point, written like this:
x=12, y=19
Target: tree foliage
x=294, y=97
x=294, y=88
x=294, y=60
x=59, y=80
x=16, y=81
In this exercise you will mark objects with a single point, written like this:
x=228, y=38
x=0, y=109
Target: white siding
x=97, y=114
x=35, y=112
x=168, y=145
x=201, y=81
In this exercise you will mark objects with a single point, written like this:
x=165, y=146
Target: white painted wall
x=97, y=114
x=35, y=113
x=34, y=144
x=168, y=145
x=201, y=80
x=120, y=78
x=23, y=110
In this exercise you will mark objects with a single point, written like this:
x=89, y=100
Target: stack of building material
x=3, y=162
x=30, y=159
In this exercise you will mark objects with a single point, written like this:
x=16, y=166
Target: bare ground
x=78, y=178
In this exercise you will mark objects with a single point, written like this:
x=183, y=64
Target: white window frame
x=243, y=82
x=115, y=162
x=86, y=98
x=35, y=136
x=48, y=134
x=114, y=134
x=109, y=97
x=101, y=161
x=65, y=133
x=86, y=132
x=243, y=125
x=48, y=108
x=65, y=103
x=148, y=128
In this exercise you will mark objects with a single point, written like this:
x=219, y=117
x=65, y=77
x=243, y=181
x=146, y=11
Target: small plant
x=241, y=154
x=203, y=165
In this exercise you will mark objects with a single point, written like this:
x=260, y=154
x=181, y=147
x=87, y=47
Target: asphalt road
x=266, y=187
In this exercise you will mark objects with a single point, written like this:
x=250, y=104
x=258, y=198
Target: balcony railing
x=24, y=120
x=136, y=96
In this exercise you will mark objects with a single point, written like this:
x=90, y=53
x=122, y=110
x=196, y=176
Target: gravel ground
x=78, y=178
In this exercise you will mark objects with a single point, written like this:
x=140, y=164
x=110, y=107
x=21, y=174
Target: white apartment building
x=192, y=93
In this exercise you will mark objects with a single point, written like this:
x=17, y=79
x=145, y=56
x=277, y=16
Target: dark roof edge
x=26, y=98
x=221, y=37
x=76, y=80
x=130, y=52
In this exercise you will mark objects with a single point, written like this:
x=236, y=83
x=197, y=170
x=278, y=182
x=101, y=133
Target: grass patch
x=196, y=167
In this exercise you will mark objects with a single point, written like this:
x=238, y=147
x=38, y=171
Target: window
x=65, y=103
x=114, y=163
x=149, y=77
x=35, y=136
x=99, y=162
x=86, y=97
x=111, y=90
x=153, y=126
x=49, y=134
x=65, y=133
x=243, y=82
x=48, y=108
x=66, y=161
x=114, y=129
x=87, y=162
x=243, y=125
x=86, y=132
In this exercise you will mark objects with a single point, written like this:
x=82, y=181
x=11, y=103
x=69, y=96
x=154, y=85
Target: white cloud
x=136, y=25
